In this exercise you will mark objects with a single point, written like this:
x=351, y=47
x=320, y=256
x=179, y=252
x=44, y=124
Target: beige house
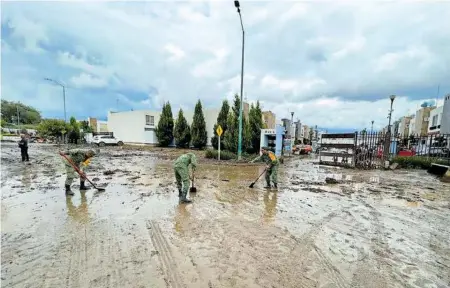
x=269, y=119
x=421, y=121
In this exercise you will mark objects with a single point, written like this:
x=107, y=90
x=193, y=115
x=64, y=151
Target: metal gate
x=356, y=150
x=337, y=149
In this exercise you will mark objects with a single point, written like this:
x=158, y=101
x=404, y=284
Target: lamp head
x=392, y=97
x=236, y=4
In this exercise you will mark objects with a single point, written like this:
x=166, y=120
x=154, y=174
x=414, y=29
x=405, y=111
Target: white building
x=412, y=126
x=434, y=125
x=445, y=119
x=138, y=127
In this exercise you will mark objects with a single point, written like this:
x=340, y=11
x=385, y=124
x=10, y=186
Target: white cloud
x=176, y=52
x=85, y=80
x=319, y=58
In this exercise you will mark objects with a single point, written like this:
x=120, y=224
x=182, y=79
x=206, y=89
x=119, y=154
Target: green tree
x=233, y=126
x=52, y=127
x=164, y=132
x=86, y=127
x=247, y=144
x=231, y=135
x=222, y=121
x=256, y=124
x=198, y=128
x=74, y=130
x=27, y=114
x=182, y=131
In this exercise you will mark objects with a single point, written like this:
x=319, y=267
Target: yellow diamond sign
x=219, y=130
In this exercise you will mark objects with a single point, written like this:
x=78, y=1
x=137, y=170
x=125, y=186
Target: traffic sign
x=219, y=130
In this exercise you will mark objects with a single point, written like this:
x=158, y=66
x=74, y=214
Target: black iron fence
x=372, y=150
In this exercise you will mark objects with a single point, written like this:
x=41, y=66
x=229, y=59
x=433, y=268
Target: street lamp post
x=371, y=129
x=64, y=98
x=237, y=5
x=388, y=134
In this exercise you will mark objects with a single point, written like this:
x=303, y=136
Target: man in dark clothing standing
x=23, y=145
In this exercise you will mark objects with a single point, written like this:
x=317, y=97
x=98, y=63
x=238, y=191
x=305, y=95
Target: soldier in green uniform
x=181, y=168
x=80, y=158
x=272, y=163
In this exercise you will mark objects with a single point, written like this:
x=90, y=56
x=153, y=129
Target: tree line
x=185, y=136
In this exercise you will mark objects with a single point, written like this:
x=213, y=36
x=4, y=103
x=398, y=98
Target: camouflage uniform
x=272, y=172
x=78, y=156
x=181, y=169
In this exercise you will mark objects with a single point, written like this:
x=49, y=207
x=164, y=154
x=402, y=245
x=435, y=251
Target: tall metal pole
x=64, y=100
x=18, y=116
x=236, y=3
x=64, y=96
x=371, y=129
x=388, y=134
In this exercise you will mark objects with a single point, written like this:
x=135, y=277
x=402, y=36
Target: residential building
x=98, y=125
x=412, y=126
x=445, y=119
x=287, y=126
x=434, y=125
x=138, y=127
x=306, y=130
x=421, y=121
x=403, y=126
x=246, y=110
x=269, y=119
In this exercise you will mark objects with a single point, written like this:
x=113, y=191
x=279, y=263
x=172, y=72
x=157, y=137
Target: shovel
x=253, y=184
x=193, y=189
x=80, y=173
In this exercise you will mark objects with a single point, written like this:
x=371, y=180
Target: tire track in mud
x=307, y=245
x=173, y=278
x=378, y=274
x=235, y=251
x=24, y=259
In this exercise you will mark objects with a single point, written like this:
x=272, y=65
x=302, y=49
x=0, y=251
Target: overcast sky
x=333, y=63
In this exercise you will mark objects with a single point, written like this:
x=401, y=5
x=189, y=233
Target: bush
x=417, y=162
x=224, y=155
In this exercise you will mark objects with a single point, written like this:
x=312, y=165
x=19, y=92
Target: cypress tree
x=164, y=132
x=222, y=121
x=256, y=124
x=198, y=128
x=231, y=136
x=182, y=132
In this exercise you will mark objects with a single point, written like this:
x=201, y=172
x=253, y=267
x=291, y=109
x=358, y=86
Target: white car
x=103, y=140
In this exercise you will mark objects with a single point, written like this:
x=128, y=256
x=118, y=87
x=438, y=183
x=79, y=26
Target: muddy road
x=370, y=229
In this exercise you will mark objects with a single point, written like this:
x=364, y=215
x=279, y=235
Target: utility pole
x=64, y=100
x=18, y=116
x=387, y=145
x=237, y=5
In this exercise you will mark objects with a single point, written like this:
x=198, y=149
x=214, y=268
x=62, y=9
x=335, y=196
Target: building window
x=150, y=120
x=434, y=121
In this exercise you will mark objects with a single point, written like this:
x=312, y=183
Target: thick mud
x=368, y=229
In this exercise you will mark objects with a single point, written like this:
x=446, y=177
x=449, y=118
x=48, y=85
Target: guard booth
x=273, y=138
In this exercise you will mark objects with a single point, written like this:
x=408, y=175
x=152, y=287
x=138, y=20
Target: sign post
x=219, y=131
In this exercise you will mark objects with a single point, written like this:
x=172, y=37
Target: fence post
x=429, y=146
x=355, y=144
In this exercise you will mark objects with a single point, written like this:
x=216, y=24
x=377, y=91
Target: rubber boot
x=179, y=193
x=275, y=185
x=183, y=198
x=68, y=191
x=82, y=186
x=267, y=186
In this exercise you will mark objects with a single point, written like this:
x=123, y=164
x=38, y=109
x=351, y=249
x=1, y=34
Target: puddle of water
x=401, y=203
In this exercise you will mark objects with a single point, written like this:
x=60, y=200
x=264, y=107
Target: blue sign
x=279, y=140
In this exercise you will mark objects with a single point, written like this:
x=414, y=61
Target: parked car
x=433, y=151
x=103, y=140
